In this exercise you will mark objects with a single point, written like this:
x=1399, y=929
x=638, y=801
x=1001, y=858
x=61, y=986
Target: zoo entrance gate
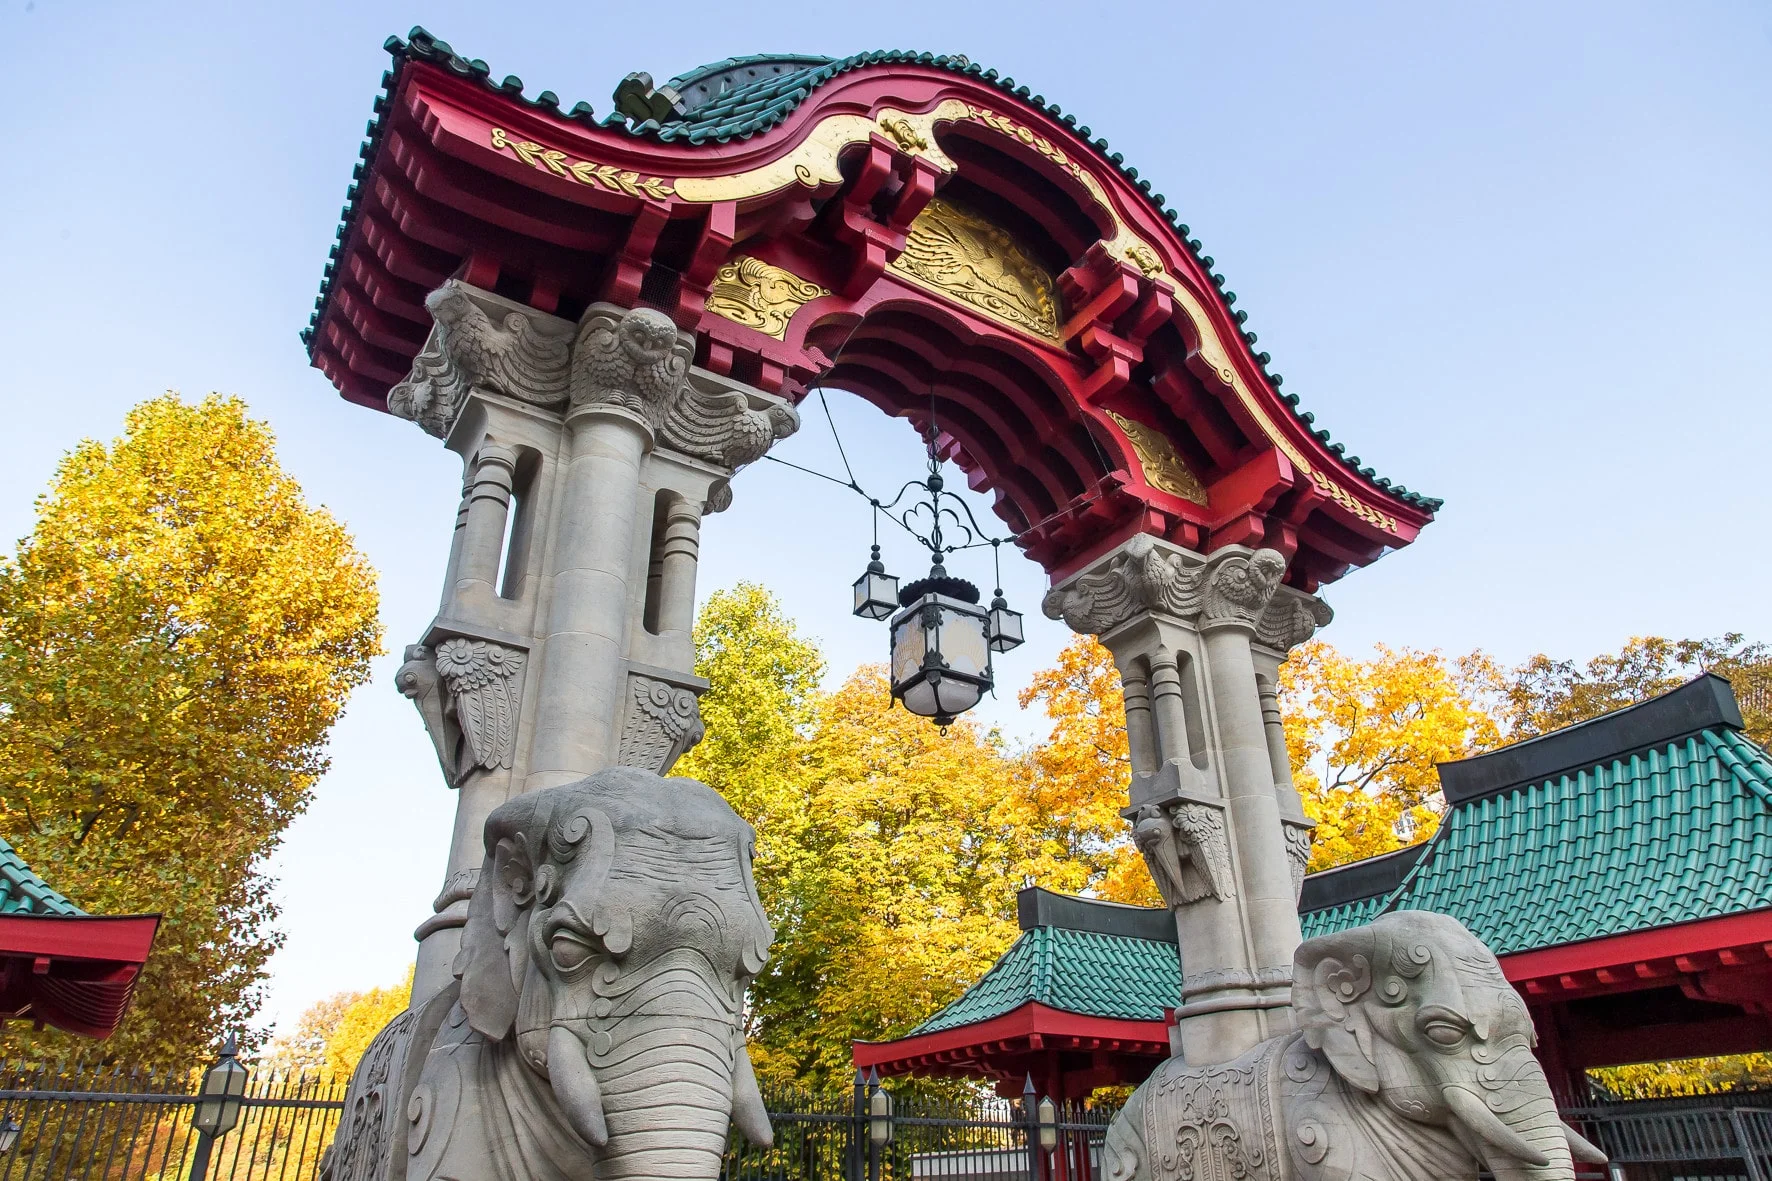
x=102, y=1123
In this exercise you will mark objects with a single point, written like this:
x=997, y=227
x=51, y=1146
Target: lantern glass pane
x=908, y=645
x=219, y=1110
x=1005, y=630
x=962, y=643
x=876, y=595
x=955, y=696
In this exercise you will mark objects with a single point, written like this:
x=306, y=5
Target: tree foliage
x=177, y=635
x=1363, y=737
x=889, y=855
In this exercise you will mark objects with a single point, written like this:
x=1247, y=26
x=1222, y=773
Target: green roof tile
x=1084, y=972
x=23, y=892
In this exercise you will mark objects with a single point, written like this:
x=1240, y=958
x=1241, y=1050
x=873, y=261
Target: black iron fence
x=98, y=1123
x=1687, y=1141
x=109, y=1124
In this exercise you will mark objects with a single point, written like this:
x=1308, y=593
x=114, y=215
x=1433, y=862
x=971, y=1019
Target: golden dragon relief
x=960, y=255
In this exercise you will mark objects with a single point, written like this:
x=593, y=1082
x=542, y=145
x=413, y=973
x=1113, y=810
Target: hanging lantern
x=876, y=592
x=1004, y=631
x=941, y=656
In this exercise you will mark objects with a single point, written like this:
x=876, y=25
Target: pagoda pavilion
x=1621, y=870
x=59, y=965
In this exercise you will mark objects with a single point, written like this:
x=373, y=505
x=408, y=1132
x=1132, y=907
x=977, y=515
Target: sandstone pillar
x=1218, y=825
x=574, y=437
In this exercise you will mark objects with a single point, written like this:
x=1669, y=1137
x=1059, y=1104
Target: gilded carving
x=751, y=292
x=585, y=172
x=903, y=134
x=1163, y=468
x=966, y=258
x=1357, y=507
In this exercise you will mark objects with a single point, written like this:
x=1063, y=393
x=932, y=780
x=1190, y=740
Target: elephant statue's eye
x=1444, y=1033
x=570, y=952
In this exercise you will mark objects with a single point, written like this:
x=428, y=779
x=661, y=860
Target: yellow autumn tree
x=177, y=635
x=360, y=1021
x=1364, y=735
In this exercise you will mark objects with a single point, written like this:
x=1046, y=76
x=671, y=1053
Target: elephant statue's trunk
x=667, y=1097
x=1522, y=1142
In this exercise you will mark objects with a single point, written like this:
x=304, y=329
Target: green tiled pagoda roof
x=755, y=106
x=1084, y=972
x=23, y=892
x=1677, y=830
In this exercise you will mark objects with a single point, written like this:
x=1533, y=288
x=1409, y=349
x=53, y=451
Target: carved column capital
x=1298, y=836
x=1234, y=587
x=469, y=693
x=1239, y=587
x=639, y=360
x=662, y=723
x=481, y=340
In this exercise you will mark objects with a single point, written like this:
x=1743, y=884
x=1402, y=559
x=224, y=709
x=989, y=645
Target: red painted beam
x=1029, y=1021
x=1637, y=950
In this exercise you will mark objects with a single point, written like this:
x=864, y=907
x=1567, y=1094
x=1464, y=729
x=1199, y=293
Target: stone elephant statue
x=593, y=1029
x=1412, y=1060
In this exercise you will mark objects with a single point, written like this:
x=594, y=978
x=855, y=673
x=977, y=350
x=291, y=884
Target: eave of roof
x=765, y=104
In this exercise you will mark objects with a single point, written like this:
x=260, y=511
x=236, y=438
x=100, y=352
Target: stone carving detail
x=1163, y=468
x=638, y=360
x=594, y=1029
x=1238, y=588
x=751, y=292
x=966, y=258
x=663, y=722
x=1413, y=1060
x=1141, y=577
x=523, y=355
x=362, y=1147
x=1298, y=852
x=469, y=695
x=1186, y=848
x=1290, y=619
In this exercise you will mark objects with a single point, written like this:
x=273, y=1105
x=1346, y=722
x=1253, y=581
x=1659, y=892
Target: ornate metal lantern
x=876, y=592
x=221, y=1097
x=941, y=653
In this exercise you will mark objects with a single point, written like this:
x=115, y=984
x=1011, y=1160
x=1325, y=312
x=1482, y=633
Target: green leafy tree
x=177, y=635
x=1547, y=694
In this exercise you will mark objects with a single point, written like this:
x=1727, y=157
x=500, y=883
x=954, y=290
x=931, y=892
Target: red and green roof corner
x=1626, y=842
x=1630, y=852
x=433, y=196
x=59, y=965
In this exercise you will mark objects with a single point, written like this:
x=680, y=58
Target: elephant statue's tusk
x=575, y=1085
x=1583, y=1149
x=1487, y=1126
x=748, y=1111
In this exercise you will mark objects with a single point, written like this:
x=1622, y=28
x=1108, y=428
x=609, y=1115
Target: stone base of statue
x=594, y=1026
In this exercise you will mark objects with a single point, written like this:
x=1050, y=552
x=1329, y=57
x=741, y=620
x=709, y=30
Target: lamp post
x=9, y=1130
x=879, y=1123
x=218, y=1106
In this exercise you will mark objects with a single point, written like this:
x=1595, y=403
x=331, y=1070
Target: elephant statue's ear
x=1330, y=976
x=494, y=941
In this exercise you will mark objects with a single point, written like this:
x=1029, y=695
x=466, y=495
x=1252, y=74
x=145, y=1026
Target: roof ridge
x=421, y=44
x=1752, y=766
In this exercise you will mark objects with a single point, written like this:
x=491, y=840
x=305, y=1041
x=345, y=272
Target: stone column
x=583, y=683
x=492, y=474
x=679, y=553
x=1141, y=740
x=1210, y=820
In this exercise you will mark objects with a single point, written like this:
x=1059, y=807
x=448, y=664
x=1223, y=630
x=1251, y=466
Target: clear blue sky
x=1514, y=255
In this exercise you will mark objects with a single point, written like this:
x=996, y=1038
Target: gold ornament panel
x=1164, y=470
x=962, y=256
x=758, y=295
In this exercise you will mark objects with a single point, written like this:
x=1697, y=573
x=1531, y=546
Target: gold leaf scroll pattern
x=1347, y=501
x=585, y=172
x=966, y=258
x=751, y=292
x=1163, y=468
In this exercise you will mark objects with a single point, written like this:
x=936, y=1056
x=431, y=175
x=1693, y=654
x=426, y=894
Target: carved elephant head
x=611, y=937
x=1413, y=1014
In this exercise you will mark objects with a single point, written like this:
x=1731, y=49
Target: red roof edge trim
x=1635, y=947
x=120, y=938
x=1029, y=1019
